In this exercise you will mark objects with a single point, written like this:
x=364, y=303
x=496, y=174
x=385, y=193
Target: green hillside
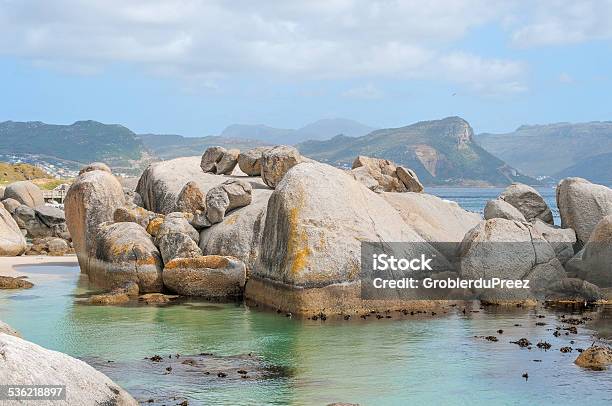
x=83, y=141
x=440, y=151
x=174, y=146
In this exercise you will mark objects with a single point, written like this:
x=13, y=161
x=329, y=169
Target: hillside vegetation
x=439, y=151
x=13, y=172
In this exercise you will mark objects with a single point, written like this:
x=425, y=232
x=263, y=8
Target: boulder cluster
x=30, y=226
x=285, y=231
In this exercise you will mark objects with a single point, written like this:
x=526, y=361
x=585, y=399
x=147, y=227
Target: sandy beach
x=13, y=266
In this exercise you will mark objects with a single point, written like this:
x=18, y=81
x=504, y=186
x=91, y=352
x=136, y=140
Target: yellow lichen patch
x=231, y=220
x=297, y=247
x=153, y=227
x=147, y=261
x=207, y=261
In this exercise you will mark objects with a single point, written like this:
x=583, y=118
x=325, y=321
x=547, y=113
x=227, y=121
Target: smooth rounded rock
x=25, y=192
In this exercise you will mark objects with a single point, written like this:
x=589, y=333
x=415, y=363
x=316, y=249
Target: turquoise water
x=419, y=360
x=475, y=199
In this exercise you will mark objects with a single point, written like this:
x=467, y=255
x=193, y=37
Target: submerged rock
x=501, y=209
x=528, y=201
x=25, y=363
x=8, y=282
x=25, y=192
x=12, y=241
x=582, y=205
x=211, y=276
x=596, y=357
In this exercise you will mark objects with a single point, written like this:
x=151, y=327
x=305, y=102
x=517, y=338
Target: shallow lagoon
x=419, y=360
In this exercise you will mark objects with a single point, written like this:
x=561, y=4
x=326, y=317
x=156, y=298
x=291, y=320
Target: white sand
x=8, y=264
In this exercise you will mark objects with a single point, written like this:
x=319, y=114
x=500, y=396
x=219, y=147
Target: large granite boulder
x=134, y=214
x=573, y=290
x=95, y=166
x=191, y=199
x=10, y=205
x=507, y=249
x=230, y=195
x=582, y=205
x=561, y=239
x=310, y=255
x=12, y=242
x=25, y=192
x=250, y=161
x=219, y=160
x=42, y=221
x=91, y=200
x=124, y=252
x=434, y=219
x=383, y=171
x=276, y=162
x=528, y=201
x=176, y=238
x=239, y=234
x=595, y=263
x=162, y=182
x=210, y=276
x=410, y=179
x=500, y=209
x=25, y=363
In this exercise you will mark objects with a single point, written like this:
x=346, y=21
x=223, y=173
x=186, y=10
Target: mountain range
x=444, y=152
x=319, y=130
x=439, y=151
x=556, y=150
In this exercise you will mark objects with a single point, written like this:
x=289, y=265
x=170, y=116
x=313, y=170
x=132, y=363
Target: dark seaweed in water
x=198, y=372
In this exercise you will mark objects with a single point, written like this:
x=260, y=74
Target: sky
x=192, y=67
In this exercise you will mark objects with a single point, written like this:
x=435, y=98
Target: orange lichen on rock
x=207, y=261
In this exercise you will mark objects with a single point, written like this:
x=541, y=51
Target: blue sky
x=193, y=67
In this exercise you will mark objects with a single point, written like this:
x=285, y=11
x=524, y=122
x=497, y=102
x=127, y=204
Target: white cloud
x=560, y=22
x=314, y=39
